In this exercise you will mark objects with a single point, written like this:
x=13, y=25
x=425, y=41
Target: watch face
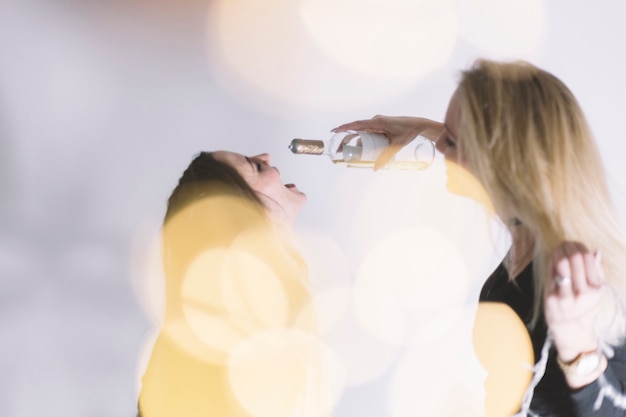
x=588, y=364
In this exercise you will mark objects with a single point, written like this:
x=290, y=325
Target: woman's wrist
x=579, y=355
x=584, y=369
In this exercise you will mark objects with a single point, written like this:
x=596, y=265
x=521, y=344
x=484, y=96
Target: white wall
x=102, y=105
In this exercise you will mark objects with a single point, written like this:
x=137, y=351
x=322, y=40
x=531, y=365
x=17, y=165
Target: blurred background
x=104, y=103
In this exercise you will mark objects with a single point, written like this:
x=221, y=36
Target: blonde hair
x=527, y=141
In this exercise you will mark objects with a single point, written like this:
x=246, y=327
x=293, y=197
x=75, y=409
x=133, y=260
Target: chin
x=299, y=200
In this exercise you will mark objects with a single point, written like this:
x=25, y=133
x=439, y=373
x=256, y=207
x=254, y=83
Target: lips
x=290, y=185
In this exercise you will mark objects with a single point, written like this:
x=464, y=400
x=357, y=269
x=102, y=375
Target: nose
x=264, y=157
x=440, y=144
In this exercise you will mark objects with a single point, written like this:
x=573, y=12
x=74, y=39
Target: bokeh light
x=484, y=363
x=234, y=319
x=504, y=349
x=461, y=182
x=333, y=54
x=411, y=287
x=227, y=295
x=394, y=201
x=300, y=375
x=143, y=357
x=422, y=250
x=329, y=279
x=384, y=38
x=433, y=380
x=326, y=55
x=503, y=29
x=235, y=277
x=364, y=356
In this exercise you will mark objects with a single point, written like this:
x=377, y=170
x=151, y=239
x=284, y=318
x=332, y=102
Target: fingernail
x=598, y=256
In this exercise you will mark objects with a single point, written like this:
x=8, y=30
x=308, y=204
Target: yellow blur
x=504, y=349
x=233, y=341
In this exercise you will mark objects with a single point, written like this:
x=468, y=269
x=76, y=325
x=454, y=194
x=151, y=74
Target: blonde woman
x=521, y=133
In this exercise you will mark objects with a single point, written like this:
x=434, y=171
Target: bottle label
x=373, y=144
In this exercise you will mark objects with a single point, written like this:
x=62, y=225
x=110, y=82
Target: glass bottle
x=361, y=149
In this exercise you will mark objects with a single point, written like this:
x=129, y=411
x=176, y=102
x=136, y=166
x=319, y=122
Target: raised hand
x=574, y=293
x=400, y=130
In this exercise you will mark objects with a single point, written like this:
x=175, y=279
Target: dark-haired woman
x=238, y=332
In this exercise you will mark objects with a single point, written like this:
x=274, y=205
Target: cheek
x=270, y=184
x=450, y=154
x=274, y=180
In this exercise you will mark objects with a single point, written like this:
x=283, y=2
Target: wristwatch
x=584, y=364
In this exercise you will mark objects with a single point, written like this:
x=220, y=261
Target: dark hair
x=205, y=176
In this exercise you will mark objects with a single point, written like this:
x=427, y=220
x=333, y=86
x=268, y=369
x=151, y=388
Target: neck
x=521, y=253
x=280, y=217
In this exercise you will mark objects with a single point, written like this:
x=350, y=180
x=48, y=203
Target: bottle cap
x=305, y=146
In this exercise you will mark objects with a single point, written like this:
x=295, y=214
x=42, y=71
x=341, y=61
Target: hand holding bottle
x=399, y=130
x=361, y=149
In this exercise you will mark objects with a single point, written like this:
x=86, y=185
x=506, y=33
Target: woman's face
x=460, y=176
x=449, y=140
x=283, y=201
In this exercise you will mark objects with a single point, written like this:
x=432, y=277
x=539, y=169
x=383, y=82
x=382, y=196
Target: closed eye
x=255, y=165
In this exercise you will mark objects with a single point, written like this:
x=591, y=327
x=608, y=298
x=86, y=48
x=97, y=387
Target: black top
x=552, y=396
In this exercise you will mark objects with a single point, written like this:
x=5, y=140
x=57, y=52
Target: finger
x=368, y=124
x=346, y=126
x=561, y=273
x=595, y=272
x=576, y=254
